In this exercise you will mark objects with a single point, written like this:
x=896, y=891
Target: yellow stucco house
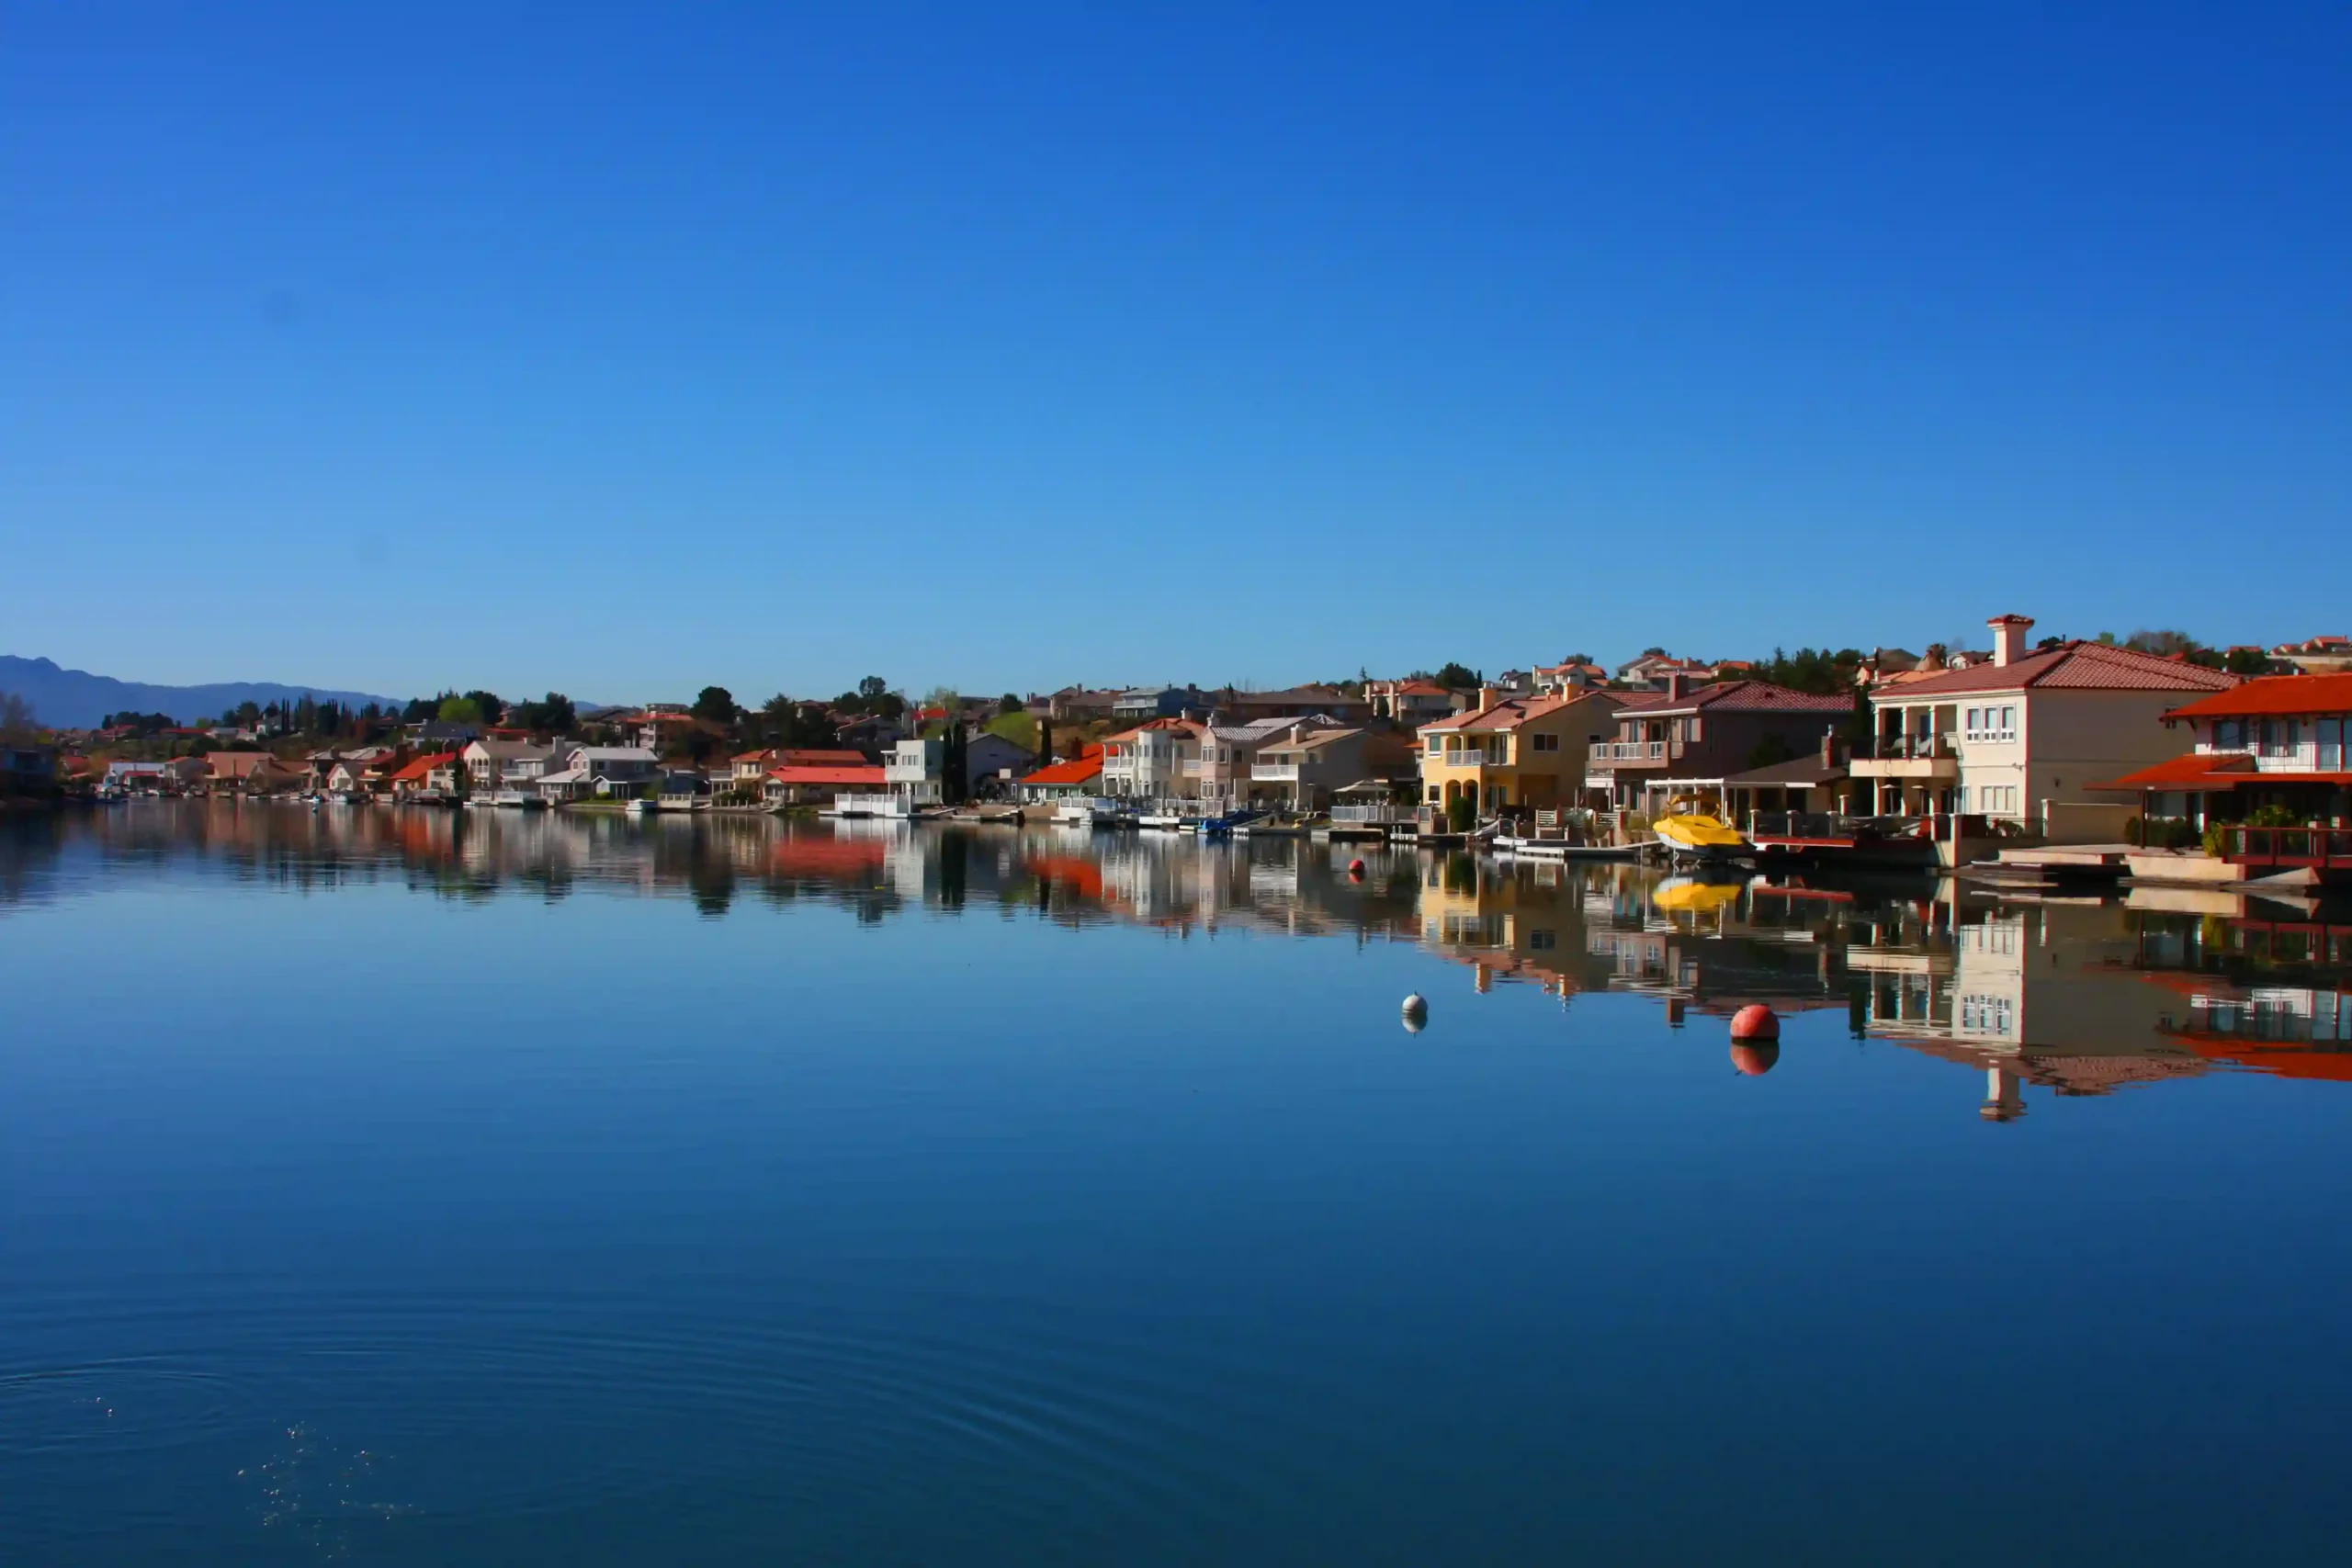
x=1514, y=754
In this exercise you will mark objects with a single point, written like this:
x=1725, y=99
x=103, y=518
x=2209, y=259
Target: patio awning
x=2197, y=771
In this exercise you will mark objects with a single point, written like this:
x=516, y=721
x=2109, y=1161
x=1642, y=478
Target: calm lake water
x=422, y=1188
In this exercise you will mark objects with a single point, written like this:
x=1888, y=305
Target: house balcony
x=1480, y=758
x=1274, y=773
x=1932, y=757
x=1630, y=751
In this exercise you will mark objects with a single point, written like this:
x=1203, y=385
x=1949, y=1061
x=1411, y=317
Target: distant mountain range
x=75, y=699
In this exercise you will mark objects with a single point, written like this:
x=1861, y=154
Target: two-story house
x=1306, y=767
x=1692, y=739
x=1148, y=762
x=915, y=772
x=1221, y=771
x=1513, y=754
x=2280, y=742
x=2025, y=732
x=494, y=764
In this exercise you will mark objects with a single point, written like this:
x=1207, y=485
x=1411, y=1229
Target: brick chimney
x=1678, y=685
x=1488, y=698
x=2008, y=638
x=1828, y=748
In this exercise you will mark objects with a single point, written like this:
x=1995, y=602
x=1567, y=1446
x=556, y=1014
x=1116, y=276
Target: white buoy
x=1416, y=1012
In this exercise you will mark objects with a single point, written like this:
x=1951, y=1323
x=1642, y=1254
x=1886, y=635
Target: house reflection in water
x=2077, y=996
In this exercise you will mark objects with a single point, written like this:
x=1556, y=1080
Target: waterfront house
x=1148, y=763
x=493, y=764
x=752, y=771
x=580, y=771
x=1820, y=782
x=417, y=777
x=1220, y=774
x=1080, y=778
x=1305, y=768
x=819, y=784
x=2277, y=748
x=1690, y=738
x=353, y=775
x=683, y=789
x=1510, y=754
x=915, y=772
x=252, y=773
x=2025, y=738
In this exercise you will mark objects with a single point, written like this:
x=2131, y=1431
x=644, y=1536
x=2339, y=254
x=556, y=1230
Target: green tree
x=1456, y=675
x=1008, y=704
x=715, y=703
x=2247, y=661
x=16, y=718
x=2162, y=642
x=489, y=705
x=459, y=710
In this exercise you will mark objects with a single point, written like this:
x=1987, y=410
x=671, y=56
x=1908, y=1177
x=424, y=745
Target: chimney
x=1678, y=685
x=1488, y=698
x=2008, y=638
x=1828, y=748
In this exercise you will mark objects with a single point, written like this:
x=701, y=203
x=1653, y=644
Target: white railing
x=1386, y=813
x=1472, y=757
x=1274, y=773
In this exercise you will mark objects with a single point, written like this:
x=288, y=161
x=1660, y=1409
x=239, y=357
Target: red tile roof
x=415, y=773
x=2076, y=666
x=820, y=757
x=1740, y=697
x=1512, y=712
x=1087, y=764
x=2196, y=771
x=2274, y=695
x=870, y=773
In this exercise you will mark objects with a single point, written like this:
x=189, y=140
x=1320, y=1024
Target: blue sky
x=624, y=350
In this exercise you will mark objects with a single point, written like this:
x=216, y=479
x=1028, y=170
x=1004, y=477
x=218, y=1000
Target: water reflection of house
x=2046, y=995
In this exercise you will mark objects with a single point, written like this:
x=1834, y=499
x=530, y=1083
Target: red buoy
x=1755, y=1021
x=1355, y=869
x=1756, y=1060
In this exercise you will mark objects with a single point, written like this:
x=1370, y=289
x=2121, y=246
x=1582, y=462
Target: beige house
x=252, y=773
x=1310, y=763
x=2025, y=736
x=1514, y=754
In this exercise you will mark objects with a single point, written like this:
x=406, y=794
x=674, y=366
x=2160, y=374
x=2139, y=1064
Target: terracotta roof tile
x=1741, y=697
x=2076, y=666
x=2280, y=695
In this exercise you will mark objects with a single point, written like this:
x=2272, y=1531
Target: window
x=1989, y=724
x=1697, y=729
x=1546, y=742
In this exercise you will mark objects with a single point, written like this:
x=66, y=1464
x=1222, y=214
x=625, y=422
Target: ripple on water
x=600, y=1398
